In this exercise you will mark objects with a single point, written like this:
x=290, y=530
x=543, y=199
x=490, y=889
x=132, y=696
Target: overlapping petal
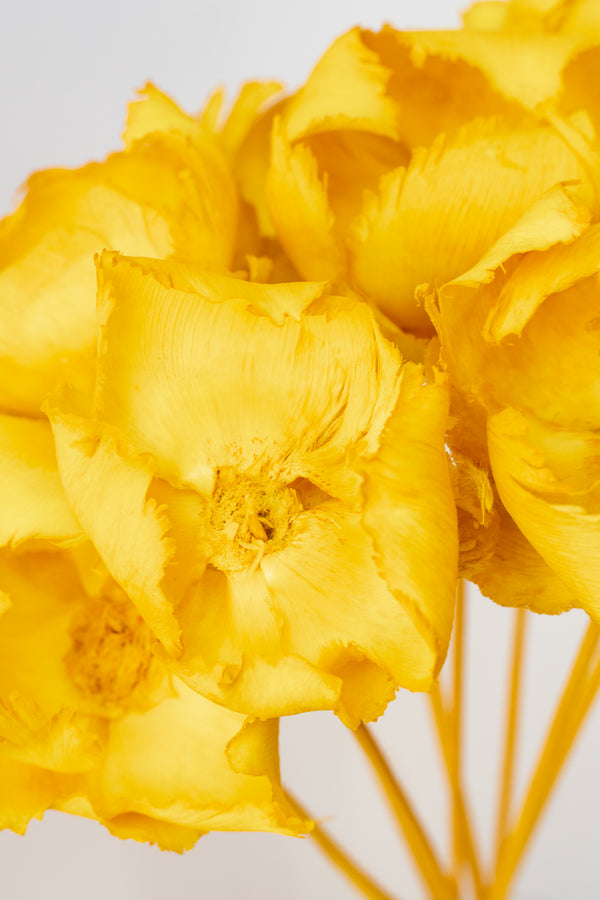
x=34, y=506
x=165, y=770
x=167, y=195
x=227, y=503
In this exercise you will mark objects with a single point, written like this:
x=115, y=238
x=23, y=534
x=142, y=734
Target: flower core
x=111, y=651
x=249, y=517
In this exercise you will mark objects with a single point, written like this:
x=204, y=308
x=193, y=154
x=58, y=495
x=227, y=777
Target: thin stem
x=340, y=860
x=472, y=855
x=440, y=886
x=511, y=730
x=575, y=702
x=460, y=853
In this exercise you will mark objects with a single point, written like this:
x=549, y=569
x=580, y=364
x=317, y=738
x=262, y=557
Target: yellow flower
x=268, y=483
x=520, y=337
x=405, y=156
x=91, y=722
x=167, y=194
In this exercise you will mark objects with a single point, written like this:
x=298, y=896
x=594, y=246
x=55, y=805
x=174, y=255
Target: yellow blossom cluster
x=271, y=379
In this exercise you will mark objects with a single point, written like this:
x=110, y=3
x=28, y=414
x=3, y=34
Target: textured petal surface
x=110, y=495
x=34, y=506
x=409, y=509
x=193, y=383
x=186, y=762
x=548, y=478
x=166, y=196
x=307, y=234
x=433, y=221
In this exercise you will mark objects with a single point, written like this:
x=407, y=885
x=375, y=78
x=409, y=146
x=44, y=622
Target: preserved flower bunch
x=271, y=381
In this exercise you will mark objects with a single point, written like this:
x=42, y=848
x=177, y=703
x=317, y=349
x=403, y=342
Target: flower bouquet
x=275, y=379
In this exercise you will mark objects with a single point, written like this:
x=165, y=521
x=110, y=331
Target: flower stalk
x=441, y=886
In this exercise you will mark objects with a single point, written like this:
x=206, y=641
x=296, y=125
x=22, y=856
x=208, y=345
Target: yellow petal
x=165, y=196
x=246, y=112
x=235, y=654
x=347, y=89
x=66, y=742
x=26, y=792
x=465, y=304
x=299, y=208
x=155, y=111
x=548, y=478
x=246, y=136
x=516, y=575
x=525, y=69
x=338, y=610
x=433, y=221
x=488, y=15
x=34, y=506
x=172, y=764
x=148, y=830
x=414, y=531
x=110, y=495
x=34, y=631
x=209, y=397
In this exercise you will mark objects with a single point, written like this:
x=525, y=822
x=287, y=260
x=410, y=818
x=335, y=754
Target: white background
x=67, y=70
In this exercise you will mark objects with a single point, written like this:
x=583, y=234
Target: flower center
x=111, y=652
x=248, y=518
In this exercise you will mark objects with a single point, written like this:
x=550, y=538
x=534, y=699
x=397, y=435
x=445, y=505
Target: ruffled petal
x=166, y=196
x=456, y=76
x=193, y=382
x=188, y=762
x=548, y=478
x=464, y=305
x=433, y=221
x=34, y=506
x=339, y=614
x=347, y=89
x=414, y=530
x=235, y=653
x=299, y=208
x=109, y=492
x=155, y=111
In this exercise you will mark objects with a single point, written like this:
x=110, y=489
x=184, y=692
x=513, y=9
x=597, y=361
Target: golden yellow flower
x=268, y=483
x=406, y=156
x=520, y=338
x=167, y=194
x=91, y=721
